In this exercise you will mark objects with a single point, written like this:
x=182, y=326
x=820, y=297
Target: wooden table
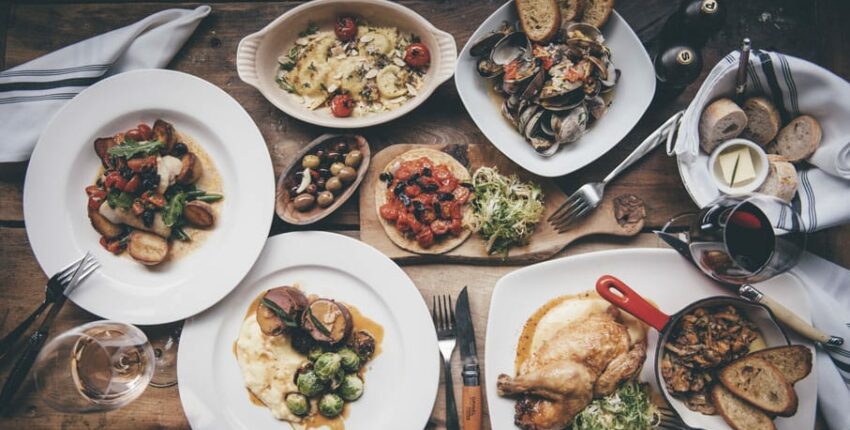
x=816, y=31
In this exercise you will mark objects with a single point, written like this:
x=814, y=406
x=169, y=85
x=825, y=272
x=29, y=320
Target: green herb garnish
x=312, y=28
x=209, y=198
x=173, y=209
x=628, y=408
x=321, y=327
x=285, y=85
x=119, y=199
x=288, y=320
x=129, y=149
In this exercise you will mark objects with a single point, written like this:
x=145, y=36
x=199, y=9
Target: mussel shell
x=546, y=123
x=532, y=126
x=592, y=87
x=484, y=46
x=525, y=115
x=613, y=78
x=588, y=31
x=550, y=91
x=511, y=47
x=488, y=69
x=527, y=71
x=573, y=126
x=596, y=106
x=508, y=114
x=534, y=86
x=543, y=145
x=565, y=101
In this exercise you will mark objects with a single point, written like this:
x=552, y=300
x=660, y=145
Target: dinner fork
x=443, y=314
x=589, y=195
x=54, y=289
x=669, y=420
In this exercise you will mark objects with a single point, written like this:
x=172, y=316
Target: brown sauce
x=523, y=348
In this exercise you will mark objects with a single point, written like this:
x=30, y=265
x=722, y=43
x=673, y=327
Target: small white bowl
x=256, y=56
x=760, y=165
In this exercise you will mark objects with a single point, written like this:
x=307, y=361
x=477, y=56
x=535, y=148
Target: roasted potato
x=199, y=214
x=101, y=148
x=191, y=170
x=147, y=248
x=164, y=132
x=280, y=309
x=327, y=321
x=106, y=228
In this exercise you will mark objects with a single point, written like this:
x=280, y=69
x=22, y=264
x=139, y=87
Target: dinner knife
x=747, y=291
x=471, y=411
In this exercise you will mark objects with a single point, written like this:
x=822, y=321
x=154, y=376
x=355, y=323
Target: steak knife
x=471, y=411
x=747, y=291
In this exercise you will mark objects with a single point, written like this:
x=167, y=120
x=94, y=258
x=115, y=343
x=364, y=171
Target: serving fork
x=669, y=420
x=443, y=315
x=589, y=195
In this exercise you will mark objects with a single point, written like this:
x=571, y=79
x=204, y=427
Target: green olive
x=347, y=174
x=333, y=184
x=303, y=202
x=310, y=162
x=353, y=158
x=325, y=199
x=336, y=167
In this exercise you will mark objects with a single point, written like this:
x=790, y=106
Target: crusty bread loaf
x=739, y=414
x=571, y=10
x=761, y=384
x=781, y=181
x=597, y=12
x=794, y=361
x=720, y=121
x=799, y=139
x=539, y=19
x=763, y=120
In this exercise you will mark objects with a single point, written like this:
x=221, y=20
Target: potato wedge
x=164, y=132
x=101, y=148
x=147, y=248
x=102, y=225
x=191, y=170
x=199, y=214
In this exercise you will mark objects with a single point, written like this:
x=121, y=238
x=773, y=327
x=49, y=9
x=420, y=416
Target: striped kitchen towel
x=31, y=93
x=796, y=87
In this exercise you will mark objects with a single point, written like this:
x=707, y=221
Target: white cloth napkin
x=796, y=87
x=828, y=286
x=31, y=93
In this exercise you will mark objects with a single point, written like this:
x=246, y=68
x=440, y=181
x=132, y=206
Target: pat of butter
x=743, y=172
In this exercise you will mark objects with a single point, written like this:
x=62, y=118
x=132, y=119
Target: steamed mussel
x=552, y=93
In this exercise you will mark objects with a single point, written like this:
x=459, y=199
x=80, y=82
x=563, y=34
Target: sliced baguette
x=761, y=384
x=762, y=120
x=739, y=414
x=781, y=181
x=597, y=12
x=720, y=121
x=799, y=139
x=794, y=361
x=571, y=10
x=540, y=19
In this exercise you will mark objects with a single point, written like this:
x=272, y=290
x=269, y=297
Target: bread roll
x=539, y=19
x=799, y=139
x=762, y=120
x=781, y=179
x=571, y=10
x=721, y=120
x=597, y=12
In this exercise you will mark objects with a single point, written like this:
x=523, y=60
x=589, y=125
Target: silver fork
x=443, y=314
x=589, y=195
x=669, y=420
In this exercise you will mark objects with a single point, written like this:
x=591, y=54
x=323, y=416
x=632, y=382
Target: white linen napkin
x=828, y=286
x=796, y=87
x=31, y=93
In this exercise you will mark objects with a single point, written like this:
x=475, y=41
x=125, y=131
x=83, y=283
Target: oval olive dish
x=284, y=198
x=257, y=55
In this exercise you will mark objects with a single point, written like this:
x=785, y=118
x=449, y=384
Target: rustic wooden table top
x=815, y=31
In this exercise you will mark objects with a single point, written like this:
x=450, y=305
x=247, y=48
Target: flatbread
x=447, y=243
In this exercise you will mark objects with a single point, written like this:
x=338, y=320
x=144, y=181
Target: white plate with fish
x=64, y=164
x=400, y=382
x=629, y=99
x=672, y=288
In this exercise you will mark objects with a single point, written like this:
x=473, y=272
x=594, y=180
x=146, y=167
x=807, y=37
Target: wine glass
x=744, y=239
x=165, y=340
x=99, y=366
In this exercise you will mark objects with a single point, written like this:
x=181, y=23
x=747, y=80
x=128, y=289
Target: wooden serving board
x=544, y=243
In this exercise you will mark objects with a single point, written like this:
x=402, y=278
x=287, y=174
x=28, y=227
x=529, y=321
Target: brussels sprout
x=350, y=359
x=309, y=384
x=330, y=405
x=298, y=404
x=327, y=365
x=351, y=387
x=336, y=380
x=315, y=352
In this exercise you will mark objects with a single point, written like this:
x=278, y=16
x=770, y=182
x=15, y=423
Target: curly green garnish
x=628, y=408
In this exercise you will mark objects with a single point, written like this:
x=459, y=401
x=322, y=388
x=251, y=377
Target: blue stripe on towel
x=775, y=90
x=53, y=72
x=789, y=82
x=810, y=195
x=25, y=99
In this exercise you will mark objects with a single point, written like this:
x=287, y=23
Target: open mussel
x=571, y=127
x=511, y=47
x=488, y=69
x=562, y=101
x=484, y=46
x=519, y=74
x=592, y=87
x=596, y=106
x=582, y=30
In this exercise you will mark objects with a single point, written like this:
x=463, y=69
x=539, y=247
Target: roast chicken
x=585, y=359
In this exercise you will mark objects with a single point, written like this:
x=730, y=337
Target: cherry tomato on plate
x=389, y=213
x=345, y=28
x=115, y=180
x=134, y=135
x=417, y=55
x=133, y=184
x=342, y=105
x=145, y=130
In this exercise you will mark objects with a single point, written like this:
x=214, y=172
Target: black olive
x=386, y=177
x=125, y=172
x=418, y=209
x=446, y=197
x=404, y=199
x=179, y=149
x=438, y=210
x=147, y=217
x=399, y=189
x=429, y=188
x=325, y=173
x=426, y=172
x=413, y=178
x=467, y=185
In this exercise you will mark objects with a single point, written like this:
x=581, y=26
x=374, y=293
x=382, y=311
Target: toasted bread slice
x=540, y=19
x=799, y=139
x=720, y=121
x=571, y=10
x=739, y=414
x=781, y=179
x=794, y=361
x=762, y=120
x=761, y=384
x=147, y=248
x=597, y=12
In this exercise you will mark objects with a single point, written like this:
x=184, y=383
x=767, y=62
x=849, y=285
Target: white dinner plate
x=632, y=96
x=64, y=163
x=401, y=382
x=660, y=275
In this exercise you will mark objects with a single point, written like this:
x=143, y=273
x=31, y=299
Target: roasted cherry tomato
x=439, y=227
x=412, y=190
x=140, y=164
x=155, y=199
x=461, y=194
x=345, y=28
x=94, y=190
x=138, y=208
x=388, y=212
x=417, y=55
x=342, y=105
x=114, y=180
x=114, y=246
x=425, y=238
x=133, y=184
x=146, y=131
x=135, y=135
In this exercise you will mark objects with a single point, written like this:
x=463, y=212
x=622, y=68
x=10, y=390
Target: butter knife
x=471, y=405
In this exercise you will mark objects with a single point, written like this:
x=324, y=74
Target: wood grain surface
x=816, y=31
